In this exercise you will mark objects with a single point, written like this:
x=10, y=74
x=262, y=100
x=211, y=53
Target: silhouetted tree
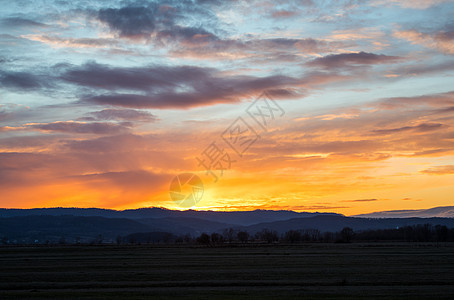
x=203, y=239
x=292, y=236
x=441, y=233
x=311, y=235
x=328, y=237
x=267, y=235
x=99, y=239
x=187, y=238
x=216, y=238
x=346, y=234
x=243, y=236
x=229, y=234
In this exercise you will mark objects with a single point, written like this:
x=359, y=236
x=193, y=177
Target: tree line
x=416, y=233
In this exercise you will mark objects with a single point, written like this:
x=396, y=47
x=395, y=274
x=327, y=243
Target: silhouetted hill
x=436, y=212
x=236, y=217
x=89, y=228
x=184, y=225
x=336, y=223
x=68, y=227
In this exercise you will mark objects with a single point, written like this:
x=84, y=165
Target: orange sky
x=312, y=163
x=102, y=106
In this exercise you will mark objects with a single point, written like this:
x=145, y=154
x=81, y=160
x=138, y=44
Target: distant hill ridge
x=440, y=212
x=232, y=217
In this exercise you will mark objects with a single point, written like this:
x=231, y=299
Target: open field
x=266, y=272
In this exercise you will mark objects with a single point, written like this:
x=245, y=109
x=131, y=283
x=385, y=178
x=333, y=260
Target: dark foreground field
x=262, y=272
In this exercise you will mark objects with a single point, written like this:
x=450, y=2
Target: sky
x=330, y=106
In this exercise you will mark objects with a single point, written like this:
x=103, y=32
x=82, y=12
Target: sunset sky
x=103, y=103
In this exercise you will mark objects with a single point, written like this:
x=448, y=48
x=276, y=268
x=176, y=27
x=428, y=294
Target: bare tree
x=267, y=235
x=346, y=234
x=292, y=236
x=203, y=239
x=229, y=234
x=243, y=236
x=216, y=238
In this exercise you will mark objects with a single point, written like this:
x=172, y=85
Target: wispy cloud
x=361, y=200
x=415, y=4
x=73, y=127
x=440, y=170
x=441, y=41
x=352, y=59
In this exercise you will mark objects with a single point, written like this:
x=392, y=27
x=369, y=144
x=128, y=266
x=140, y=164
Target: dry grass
x=265, y=272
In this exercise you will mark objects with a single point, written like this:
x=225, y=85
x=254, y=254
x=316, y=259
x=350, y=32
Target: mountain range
x=87, y=224
x=234, y=217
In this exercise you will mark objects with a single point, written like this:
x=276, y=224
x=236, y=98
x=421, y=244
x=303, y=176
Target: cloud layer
x=103, y=103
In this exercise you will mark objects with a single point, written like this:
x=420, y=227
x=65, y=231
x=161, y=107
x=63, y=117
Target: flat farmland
x=332, y=271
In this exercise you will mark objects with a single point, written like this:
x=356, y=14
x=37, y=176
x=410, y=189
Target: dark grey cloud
x=221, y=92
x=422, y=69
x=187, y=35
x=27, y=141
x=100, y=76
x=445, y=36
x=290, y=9
x=78, y=127
x=156, y=86
x=424, y=127
x=303, y=44
x=122, y=115
x=170, y=87
x=349, y=59
x=20, y=22
x=4, y=60
x=163, y=19
x=108, y=144
x=267, y=50
x=282, y=13
x=129, y=21
x=171, y=24
x=18, y=80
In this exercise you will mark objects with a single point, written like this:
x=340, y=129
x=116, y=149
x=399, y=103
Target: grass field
x=259, y=272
